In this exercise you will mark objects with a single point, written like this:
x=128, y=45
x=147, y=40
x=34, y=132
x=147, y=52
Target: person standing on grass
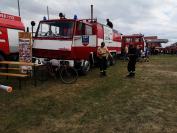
x=147, y=53
x=132, y=55
x=103, y=53
x=126, y=52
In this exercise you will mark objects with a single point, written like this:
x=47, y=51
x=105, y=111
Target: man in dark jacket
x=133, y=55
x=109, y=23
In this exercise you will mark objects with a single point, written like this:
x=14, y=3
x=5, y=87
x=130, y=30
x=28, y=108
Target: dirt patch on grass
x=166, y=73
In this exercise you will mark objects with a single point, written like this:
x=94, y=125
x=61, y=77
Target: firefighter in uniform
x=132, y=55
x=103, y=54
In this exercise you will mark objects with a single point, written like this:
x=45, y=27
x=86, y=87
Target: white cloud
x=157, y=17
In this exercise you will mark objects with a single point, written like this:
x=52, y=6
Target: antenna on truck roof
x=48, y=12
x=18, y=7
x=91, y=10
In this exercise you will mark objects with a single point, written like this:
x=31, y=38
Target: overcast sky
x=156, y=17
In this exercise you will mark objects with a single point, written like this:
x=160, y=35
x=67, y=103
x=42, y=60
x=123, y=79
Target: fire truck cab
x=9, y=27
x=74, y=40
x=135, y=39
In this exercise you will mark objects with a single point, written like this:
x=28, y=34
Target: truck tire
x=85, y=68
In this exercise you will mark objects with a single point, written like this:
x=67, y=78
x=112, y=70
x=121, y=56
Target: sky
x=157, y=17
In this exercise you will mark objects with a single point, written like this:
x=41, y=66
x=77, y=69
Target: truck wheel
x=85, y=68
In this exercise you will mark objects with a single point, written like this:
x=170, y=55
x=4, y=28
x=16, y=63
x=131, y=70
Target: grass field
x=114, y=104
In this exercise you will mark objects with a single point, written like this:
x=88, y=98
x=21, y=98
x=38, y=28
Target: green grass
x=114, y=104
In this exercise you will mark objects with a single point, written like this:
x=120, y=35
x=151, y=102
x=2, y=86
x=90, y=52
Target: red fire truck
x=74, y=40
x=9, y=27
x=135, y=39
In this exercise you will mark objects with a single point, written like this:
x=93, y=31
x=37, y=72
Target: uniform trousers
x=103, y=64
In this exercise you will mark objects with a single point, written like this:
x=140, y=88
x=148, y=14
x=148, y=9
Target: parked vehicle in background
x=135, y=39
x=155, y=44
x=75, y=41
x=10, y=25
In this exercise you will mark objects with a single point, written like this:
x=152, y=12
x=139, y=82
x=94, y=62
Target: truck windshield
x=56, y=29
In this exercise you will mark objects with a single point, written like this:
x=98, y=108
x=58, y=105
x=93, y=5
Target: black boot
x=104, y=73
x=132, y=74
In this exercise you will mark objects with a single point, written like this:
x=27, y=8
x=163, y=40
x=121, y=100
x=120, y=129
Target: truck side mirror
x=33, y=23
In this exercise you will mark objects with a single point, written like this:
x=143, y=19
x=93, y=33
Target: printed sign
x=10, y=17
x=108, y=34
x=85, y=40
x=25, y=50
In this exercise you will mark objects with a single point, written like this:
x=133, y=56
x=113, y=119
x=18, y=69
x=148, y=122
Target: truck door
x=83, y=41
x=13, y=40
